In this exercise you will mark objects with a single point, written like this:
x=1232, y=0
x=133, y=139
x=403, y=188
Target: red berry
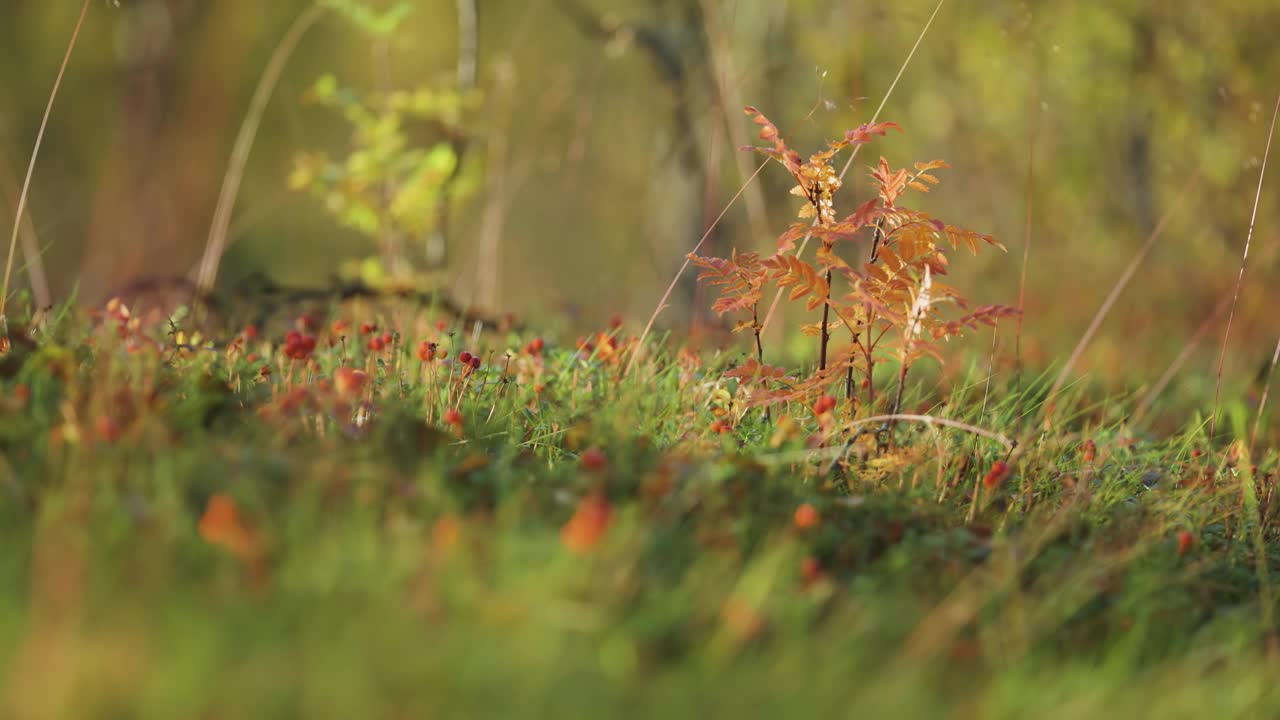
x=825, y=404
x=1185, y=541
x=376, y=344
x=475, y=363
x=453, y=417
x=810, y=570
x=464, y=357
x=1090, y=451
x=367, y=328
x=594, y=459
x=388, y=338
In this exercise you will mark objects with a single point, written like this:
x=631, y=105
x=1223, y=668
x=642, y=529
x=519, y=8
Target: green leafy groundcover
x=379, y=519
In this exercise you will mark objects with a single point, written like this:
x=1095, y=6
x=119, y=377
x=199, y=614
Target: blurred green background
x=603, y=140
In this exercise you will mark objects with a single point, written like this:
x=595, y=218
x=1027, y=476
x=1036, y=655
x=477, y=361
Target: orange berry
x=999, y=471
x=349, y=381
x=806, y=516
x=453, y=417
x=1090, y=451
x=588, y=524
x=426, y=351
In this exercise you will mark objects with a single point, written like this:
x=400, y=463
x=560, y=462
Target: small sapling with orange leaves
x=892, y=294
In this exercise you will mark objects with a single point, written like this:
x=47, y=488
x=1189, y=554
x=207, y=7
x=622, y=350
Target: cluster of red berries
x=472, y=361
x=534, y=347
x=298, y=346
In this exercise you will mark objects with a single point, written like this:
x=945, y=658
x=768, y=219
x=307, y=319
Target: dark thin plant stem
x=755, y=326
x=848, y=379
x=826, y=332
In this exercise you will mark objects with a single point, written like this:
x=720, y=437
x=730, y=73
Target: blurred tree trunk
x=168, y=147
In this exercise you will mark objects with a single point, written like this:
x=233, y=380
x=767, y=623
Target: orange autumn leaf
x=588, y=524
x=222, y=526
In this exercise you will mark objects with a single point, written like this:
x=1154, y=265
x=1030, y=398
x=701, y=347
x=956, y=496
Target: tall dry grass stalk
x=1226, y=335
x=216, y=245
x=1033, y=120
x=32, y=257
x=1183, y=355
x=1121, y=283
x=31, y=168
x=726, y=77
